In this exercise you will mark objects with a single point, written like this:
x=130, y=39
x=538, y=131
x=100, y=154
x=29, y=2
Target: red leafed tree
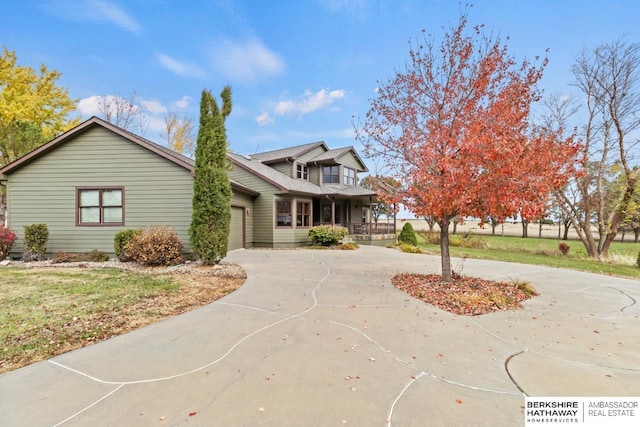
x=454, y=128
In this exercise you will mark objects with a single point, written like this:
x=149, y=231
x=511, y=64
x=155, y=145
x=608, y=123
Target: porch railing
x=371, y=228
x=366, y=228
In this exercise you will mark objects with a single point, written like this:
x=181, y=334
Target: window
x=100, y=206
x=331, y=174
x=283, y=213
x=349, y=176
x=303, y=214
x=326, y=214
x=302, y=172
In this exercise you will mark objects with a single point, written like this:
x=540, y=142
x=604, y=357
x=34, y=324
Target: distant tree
x=453, y=126
x=178, y=133
x=608, y=78
x=33, y=108
x=211, y=207
x=126, y=113
x=386, y=200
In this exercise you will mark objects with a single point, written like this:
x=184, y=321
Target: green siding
x=306, y=157
x=261, y=216
x=245, y=201
x=315, y=174
x=285, y=168
x=156, y=191
x=350, y=161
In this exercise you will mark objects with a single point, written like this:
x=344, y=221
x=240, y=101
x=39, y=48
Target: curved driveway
x=321, y=338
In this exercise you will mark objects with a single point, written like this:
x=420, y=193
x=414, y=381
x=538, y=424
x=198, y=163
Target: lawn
x=49, y=311
x=544, y=251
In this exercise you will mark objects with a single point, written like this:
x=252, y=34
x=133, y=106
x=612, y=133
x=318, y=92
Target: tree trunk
x=455, y=225
x=525, y=228
x=445, y=256
x=616, y=219
x=636, y=234
x=567, y=226
x=540, y=230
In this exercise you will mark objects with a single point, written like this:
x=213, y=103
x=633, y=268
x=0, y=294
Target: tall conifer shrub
x=211, y=206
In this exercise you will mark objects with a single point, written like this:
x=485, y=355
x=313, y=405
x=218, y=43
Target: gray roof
x=288, y=184
x=332, y=155
x=287, y=153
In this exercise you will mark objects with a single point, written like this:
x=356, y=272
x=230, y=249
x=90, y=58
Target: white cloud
x=182, y=69
x=89, y=106
x=246, y=61
x=309, y=102
x=264, y=119
x=107, y=11
x=153, y=106
x=93, y=10
x=182, y=103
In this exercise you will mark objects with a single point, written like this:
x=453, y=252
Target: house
x=97, y=179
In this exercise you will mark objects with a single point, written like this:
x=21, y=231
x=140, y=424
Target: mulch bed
x=468, y=296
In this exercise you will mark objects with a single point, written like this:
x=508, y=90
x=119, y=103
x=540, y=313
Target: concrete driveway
x=321, y=338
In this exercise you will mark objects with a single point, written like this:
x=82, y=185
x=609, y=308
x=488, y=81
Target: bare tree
x=609, y=79
x=178, y=133
x=126, y=113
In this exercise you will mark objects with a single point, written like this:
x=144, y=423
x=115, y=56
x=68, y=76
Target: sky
x=300, y=70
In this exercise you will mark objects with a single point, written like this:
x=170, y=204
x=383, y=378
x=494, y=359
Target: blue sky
x=299, y=69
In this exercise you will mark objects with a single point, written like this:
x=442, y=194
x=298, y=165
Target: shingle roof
x=288, y=184
x=287, y=153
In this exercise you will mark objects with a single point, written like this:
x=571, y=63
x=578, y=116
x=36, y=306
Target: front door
x=326, y=214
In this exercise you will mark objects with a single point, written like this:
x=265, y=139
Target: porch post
x=333, y=212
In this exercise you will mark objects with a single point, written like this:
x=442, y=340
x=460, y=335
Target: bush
x=7, y=239
x=120, y=242
x=412, y=249
x=157, y=245
x=431, y=238
x=563, y=248
x=36, y=237
x=92, y=256
x=473, y=242
x=351, y=246
x=327, y=235
x=407, y=235
x=638, y=260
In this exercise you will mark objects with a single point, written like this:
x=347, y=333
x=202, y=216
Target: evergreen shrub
x=408, y=235
x=36, y=238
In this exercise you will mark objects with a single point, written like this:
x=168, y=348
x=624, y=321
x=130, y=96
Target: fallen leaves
x=465, y=295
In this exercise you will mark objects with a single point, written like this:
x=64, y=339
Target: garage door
x=236, y=229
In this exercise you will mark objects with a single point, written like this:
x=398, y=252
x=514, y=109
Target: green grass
x=545, y=252
x=42, y=312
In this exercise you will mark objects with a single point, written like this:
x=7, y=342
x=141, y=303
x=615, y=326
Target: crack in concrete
x=633, y=301
x=506, y=368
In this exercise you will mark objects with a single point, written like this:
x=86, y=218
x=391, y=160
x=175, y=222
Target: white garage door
x=236, y=229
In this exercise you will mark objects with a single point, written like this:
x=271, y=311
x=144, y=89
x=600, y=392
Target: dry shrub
x=351, y=246
x=156, y=245
x=405, y=247
x=564, y=248
x=91, y=256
